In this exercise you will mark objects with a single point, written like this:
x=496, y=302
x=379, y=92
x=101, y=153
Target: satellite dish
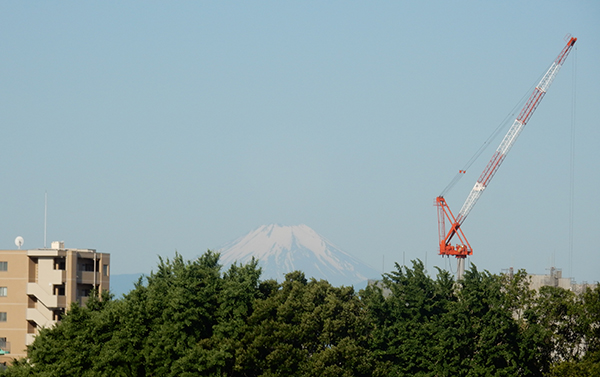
x=19, y=241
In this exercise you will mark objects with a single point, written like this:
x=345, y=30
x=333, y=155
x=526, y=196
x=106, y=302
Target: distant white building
x=555, y=279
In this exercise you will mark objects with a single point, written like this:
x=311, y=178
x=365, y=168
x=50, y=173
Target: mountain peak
x=281, y=249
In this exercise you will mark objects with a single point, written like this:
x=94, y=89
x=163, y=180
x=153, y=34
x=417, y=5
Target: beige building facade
x=555, y=279
x=37, y=287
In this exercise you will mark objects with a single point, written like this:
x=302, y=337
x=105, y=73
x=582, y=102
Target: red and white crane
x=462, y=249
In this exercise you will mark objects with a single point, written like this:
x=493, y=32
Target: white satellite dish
x=19, y=241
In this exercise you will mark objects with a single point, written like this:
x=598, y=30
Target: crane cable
x=572, y=162
x=503, y=124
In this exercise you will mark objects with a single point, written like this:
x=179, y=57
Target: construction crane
x=462, y=249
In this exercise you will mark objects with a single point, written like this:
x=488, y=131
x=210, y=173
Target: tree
x=574, y=329
x=517, y=294
x=480, y=336
x=405, y=323
x=560, y=311
x=589, y=365
x=70, y=348
x=188, y=318
x=440, y=327
x=144, y=334
x=215, y=356
x=306, y=328
x=591, y=314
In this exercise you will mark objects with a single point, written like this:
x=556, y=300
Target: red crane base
x=461, y=250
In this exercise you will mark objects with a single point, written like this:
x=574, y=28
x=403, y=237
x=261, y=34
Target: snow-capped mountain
x=283, y=249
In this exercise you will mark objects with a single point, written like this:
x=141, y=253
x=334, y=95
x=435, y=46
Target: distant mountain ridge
x=282, y=249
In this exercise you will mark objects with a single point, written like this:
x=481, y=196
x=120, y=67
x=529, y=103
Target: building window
x=2, y=316
x=57, y=315
x=3, y=291
x=3, y=266
x=105, y=270
x=59, y=290
x=87, y=267
x=59, y=263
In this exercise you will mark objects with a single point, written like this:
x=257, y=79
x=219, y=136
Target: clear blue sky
x=161, y=126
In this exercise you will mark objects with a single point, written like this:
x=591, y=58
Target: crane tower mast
x=463, y=248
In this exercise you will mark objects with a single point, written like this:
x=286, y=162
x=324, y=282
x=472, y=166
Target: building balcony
x=4, y=348
x=39, y=318
x=45, y=298
x=55, y=276
x=87, y=277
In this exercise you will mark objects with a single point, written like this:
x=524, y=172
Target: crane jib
x=462, y=249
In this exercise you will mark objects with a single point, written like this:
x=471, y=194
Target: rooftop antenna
x=19, y=241
x=45, y=215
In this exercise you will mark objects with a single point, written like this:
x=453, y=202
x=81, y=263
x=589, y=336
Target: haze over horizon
x=157, y=127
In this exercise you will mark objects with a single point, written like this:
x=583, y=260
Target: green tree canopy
x=190, y=318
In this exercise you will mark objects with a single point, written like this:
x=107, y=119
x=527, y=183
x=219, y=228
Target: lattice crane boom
x=463, y=249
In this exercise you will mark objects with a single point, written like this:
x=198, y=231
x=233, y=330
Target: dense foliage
x=189, y=318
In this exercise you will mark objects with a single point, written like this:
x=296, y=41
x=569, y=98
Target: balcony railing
x=48, y=300
x=39, y=318
x=4, y=348
x=56, y=276
x=87, y=277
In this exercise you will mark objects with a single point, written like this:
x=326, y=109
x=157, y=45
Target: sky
x=162, y=127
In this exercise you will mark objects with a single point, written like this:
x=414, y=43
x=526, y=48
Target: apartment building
x=37, y=287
